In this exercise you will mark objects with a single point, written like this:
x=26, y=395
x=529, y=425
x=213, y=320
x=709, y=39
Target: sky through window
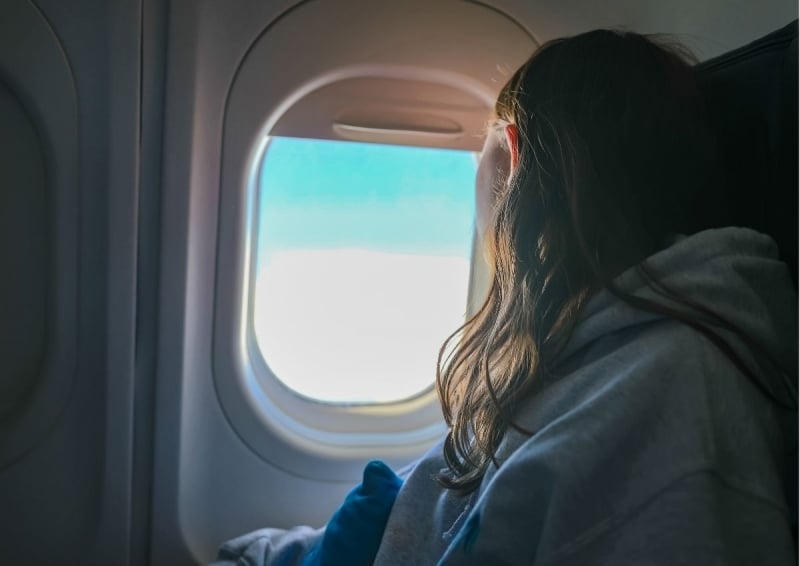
x=362, y=267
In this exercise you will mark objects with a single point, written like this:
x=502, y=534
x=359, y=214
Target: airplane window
x=362, y=265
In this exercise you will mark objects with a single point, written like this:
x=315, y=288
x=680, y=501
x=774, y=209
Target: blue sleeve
x=352, y=535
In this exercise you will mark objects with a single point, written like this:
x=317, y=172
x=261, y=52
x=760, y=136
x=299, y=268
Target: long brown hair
x=614, y=158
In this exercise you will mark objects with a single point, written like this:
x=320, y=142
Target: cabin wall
x=65, y=452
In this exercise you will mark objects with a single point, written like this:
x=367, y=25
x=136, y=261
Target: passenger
x=627, y=392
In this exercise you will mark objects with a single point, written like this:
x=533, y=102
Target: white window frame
x=305, y=438
x=280, y=425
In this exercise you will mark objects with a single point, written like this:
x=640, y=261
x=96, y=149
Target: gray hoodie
x=650, y=446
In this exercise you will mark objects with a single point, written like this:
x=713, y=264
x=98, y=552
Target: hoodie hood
x=734, y=272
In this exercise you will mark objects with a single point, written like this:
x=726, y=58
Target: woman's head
x=597, y=154
x=611, y=143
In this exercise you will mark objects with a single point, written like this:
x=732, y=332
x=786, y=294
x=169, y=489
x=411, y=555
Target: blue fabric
x=354, y=533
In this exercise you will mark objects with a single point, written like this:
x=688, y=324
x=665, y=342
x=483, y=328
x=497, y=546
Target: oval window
x=362, y=265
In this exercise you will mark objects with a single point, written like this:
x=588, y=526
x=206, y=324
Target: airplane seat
x=751, y=96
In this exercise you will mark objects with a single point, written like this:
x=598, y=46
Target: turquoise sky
x=330, y=194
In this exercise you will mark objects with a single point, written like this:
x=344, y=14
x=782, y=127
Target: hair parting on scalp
x=615, y=157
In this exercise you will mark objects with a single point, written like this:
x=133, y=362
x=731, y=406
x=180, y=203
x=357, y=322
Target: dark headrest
x=751, y=94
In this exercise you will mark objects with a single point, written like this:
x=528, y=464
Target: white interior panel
x=311, y=95
x=231, y=472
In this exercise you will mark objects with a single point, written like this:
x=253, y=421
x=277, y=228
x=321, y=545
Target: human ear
x=512, y=142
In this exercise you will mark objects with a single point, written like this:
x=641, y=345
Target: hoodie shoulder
x=632, y=419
